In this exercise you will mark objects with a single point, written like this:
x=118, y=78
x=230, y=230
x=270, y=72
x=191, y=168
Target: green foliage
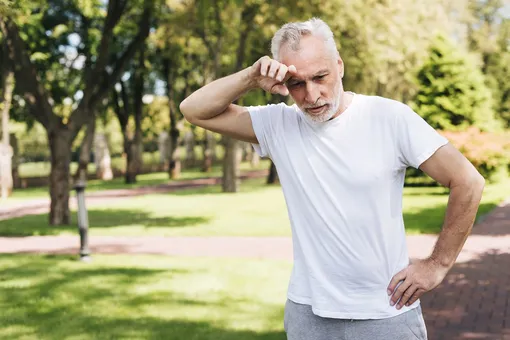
x=498, y=72
x=452, y=94
x=488, y=152
x=489, y=37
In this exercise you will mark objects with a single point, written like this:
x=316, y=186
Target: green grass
x=37, y=169
x=142, y=180
x=258, y=210
x=424, y=207
x=141, y=297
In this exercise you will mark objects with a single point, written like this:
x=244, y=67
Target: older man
x=341, y=158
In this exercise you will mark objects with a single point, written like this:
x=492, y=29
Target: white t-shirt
x=342, y=181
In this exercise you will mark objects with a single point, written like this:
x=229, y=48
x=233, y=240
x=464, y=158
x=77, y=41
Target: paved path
x=473, y=302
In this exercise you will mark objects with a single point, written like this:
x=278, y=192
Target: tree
x=99, y=75
x=489, y=36
x=130, y=104
x=452, y=94
x=383, y=43
x=176, y=52
x=6, y=90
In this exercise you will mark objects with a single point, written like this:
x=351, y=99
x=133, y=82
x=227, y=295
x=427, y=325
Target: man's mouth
x=317, y=109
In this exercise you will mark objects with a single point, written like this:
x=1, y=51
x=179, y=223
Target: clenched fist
x=271, y=75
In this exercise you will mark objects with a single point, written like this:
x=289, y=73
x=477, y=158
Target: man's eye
x=296, y=84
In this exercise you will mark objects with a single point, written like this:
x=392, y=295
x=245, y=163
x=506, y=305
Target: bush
x=488, y=152
x=452, y=94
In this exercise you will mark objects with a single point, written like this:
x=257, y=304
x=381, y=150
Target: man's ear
x=341, y=67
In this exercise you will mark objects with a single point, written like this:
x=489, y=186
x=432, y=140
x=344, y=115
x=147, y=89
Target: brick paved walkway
x=473, y=302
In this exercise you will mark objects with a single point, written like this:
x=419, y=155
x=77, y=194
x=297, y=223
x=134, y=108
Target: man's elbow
x=479, y=181
x=186, y=111
x=475, y=181
x=470, y=180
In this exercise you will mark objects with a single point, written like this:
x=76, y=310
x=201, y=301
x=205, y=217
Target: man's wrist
x=441, y=263
x=250, y=82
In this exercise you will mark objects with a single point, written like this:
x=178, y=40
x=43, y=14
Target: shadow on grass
x=48, y=297
x=32, y=225
x=430, y=220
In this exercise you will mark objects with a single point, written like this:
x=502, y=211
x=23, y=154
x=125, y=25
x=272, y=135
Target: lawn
x=258, y=210
x=141, y=297
x=142, y=180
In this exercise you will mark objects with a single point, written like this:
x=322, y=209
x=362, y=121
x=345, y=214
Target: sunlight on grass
x=424, y=208
x=141, y=297
x=156, y=178
x=257, y=210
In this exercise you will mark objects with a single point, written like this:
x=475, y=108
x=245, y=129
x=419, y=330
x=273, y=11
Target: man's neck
x=346, y=99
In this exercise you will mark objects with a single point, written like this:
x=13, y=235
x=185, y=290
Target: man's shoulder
x=384, y=107
x=379, y=102
x=275, y=110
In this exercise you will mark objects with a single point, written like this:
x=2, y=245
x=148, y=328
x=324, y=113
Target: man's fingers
x=400, y=276
x=273, y=68
x=399, y=292
x=417, y=294
x=280, y=89
x=291, y=71
x=406, y=296
x=282, y=71
x=264, y=66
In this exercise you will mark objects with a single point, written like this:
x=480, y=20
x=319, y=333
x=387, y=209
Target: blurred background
x=90, y=91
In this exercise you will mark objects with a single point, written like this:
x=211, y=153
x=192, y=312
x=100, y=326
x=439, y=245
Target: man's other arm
x=451, y=169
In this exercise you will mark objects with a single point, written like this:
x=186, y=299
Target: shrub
x=488, y=152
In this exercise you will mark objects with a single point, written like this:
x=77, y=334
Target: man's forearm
x=459, y=218
x=212, y=99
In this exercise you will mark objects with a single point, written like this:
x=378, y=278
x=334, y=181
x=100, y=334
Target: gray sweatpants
x=301, y=324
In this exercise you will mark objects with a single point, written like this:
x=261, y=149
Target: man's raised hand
x=271, y=75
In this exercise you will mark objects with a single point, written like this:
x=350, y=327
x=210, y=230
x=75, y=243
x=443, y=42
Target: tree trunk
x=232, y=156
x=60, y=146
x=133, y=151
x=189, y=142
x=6, y=181
x=131, y=166
x=247, y=154
x=174, y=163
x=86, y=148
x=231, y=165
x=15, y=162
x=208, y=152
x=174, y=168
x=272, y=178
x=102, y=158
x=138, y=144
x=255, y=159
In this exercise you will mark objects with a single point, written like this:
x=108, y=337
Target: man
x=341, y=158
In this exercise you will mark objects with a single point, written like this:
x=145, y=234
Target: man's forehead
x=310, y=67
x=309, y=59
x=309, y=72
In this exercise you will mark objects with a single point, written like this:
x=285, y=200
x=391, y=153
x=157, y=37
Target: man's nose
x=312, y=93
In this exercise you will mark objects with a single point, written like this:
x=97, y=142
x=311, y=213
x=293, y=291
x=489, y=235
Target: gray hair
x=291, y=34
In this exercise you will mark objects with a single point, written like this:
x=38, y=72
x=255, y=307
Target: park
x=182, y=233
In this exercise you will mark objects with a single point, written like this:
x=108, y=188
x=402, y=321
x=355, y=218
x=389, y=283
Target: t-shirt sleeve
x=265, y=120
x=416, y=139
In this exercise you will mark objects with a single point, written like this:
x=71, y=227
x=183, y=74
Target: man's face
x=317, y=87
